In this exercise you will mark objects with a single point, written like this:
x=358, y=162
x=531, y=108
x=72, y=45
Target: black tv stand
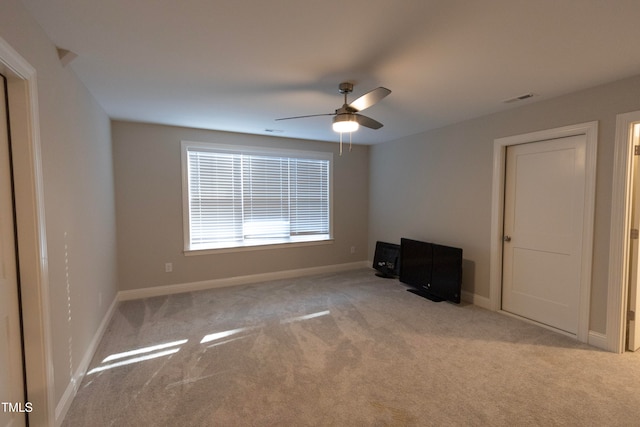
x=426, y=295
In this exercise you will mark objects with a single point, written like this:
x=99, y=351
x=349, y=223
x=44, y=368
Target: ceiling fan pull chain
x=350, y=133
x=340, y=143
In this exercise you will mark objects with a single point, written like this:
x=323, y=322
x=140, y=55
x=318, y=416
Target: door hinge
x=636, y=150
x=631, y=315
x=635, y=233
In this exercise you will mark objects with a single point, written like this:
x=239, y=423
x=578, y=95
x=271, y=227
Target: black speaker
x=386, y=260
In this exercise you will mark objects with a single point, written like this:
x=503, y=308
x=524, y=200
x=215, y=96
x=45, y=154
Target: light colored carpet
x=340, y=350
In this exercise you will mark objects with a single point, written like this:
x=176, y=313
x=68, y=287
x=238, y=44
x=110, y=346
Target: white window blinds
x=215, y=197
x=252, y=198
x=310, y=197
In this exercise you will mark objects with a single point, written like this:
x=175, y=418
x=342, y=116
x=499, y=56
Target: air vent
x=519, y=98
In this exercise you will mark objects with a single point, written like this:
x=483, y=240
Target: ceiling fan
x=346, y=118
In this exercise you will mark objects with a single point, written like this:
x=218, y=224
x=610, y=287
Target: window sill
x=262, y=245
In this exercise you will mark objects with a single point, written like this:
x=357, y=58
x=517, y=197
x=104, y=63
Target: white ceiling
x=236, y=65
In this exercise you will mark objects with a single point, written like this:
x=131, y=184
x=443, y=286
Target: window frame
x=245, y=245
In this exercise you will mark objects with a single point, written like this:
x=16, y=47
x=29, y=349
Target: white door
x=543, y=224
x=11, y=372
x=633, y=342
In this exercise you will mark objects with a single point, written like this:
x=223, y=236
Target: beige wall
x=148, y=180
x=444, y=192
x=78, y=186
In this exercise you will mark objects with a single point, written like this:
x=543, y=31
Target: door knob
x=507, y=238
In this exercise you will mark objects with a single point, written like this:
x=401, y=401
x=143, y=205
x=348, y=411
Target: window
x=254, y=196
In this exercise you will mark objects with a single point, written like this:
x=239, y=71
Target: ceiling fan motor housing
x=345, y=87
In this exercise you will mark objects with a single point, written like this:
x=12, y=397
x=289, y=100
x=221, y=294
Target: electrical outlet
x=353, y=249
x=168, y=267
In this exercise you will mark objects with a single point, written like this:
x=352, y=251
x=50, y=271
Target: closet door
x=543, y=224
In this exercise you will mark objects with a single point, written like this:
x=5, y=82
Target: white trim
x=251, y=149
x=72, y=388
x=475, y=299
x=497, y=220
x=294, y=242
x=238, y=280
x=590, y=130
x=620, y=229
x=30, y=222
x=599, y=340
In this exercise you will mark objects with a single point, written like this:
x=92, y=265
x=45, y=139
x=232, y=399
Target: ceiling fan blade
x=369, y=99
x=310, y=115
x=367, y=122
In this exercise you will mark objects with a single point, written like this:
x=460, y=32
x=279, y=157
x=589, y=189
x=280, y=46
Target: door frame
x=617, y=293
x=590, y=130
x=31, y=232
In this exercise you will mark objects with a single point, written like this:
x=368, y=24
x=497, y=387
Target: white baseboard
x=234, y=281
x=72, y=388
x=598, y=339
x=476, y=299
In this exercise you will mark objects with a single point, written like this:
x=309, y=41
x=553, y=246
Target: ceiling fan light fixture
x=345, y=123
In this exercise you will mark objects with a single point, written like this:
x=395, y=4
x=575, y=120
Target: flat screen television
x=433, y=271
x=386, y=260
